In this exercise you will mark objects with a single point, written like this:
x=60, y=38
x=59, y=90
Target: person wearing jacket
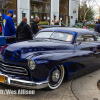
x=24, y=31
x=9, y=28
x=76, y=21
x=97, y=27
x=35, y=27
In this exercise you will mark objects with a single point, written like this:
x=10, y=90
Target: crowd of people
x=84, y=23
x=56, y=22
x=22, y=33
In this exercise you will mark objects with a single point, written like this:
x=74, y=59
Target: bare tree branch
x=3, y=3
x=84, y=4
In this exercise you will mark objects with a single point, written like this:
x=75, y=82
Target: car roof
x=69, y=30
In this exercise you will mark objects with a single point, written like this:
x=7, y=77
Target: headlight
x=31, y=64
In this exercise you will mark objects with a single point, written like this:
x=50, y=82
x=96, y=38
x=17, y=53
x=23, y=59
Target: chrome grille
x=13, y=69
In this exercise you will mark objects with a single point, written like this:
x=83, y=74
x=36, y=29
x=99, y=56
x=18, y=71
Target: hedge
x=80, y=25
x=43, y=23
x=91, y=25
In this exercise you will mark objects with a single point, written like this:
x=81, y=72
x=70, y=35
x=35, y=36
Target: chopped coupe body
x=51, y=55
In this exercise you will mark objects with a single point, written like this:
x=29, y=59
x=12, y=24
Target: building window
x=34, y=6
x=64, y=12
x=44, y=1
x=46, y=7
x=64, y=2
x=12, y=4
x=40, y=8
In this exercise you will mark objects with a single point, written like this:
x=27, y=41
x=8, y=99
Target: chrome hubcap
x=56, y=75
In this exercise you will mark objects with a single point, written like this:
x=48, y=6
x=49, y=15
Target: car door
x=90, y=61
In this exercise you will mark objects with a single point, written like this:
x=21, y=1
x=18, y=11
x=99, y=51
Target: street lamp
x=75, y=10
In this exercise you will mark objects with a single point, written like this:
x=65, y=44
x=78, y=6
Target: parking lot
x=82, y=88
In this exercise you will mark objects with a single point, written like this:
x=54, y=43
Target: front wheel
x=56, y=77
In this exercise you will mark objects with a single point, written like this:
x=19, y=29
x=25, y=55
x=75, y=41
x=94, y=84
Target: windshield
x=55, y=35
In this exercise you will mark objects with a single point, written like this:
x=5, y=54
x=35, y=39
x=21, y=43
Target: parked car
x=53, y=54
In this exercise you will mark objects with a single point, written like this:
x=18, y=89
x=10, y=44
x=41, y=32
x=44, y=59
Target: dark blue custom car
x=53, y=54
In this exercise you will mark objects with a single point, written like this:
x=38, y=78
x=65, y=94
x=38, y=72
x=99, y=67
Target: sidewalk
x=85, y=87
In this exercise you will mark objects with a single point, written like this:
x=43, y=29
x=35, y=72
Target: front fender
x=45, y=63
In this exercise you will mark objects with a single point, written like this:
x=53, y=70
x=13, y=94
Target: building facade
x=47, y=10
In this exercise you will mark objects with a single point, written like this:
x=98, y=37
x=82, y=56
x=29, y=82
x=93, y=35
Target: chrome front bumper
x=24, y=84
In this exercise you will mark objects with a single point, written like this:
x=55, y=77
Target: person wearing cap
x=9, y=28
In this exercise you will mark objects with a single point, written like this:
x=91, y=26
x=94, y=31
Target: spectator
x=52, y=23
x=76, y=21
x=60, y=22
x=84, y=23
x=56, y=22
x=24, y=31
x=9, y=28
x=0, y=29
x=97, y=22
x=34, y=26
x=97, y=27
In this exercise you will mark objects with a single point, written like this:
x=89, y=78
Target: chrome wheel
x=56, y=77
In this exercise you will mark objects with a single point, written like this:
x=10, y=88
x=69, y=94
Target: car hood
x=24, y=49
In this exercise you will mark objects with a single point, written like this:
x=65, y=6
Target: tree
x=3, y=3
x=84, y=7
x=89, y=15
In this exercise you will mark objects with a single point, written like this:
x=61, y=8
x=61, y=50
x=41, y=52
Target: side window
x=85, y=38
x=79, y=39
x=98, y=38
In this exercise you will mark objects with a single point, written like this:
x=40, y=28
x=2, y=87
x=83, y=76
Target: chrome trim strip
x=12, y=66
x=13, y=69
x=21, y=71
x=13, y=72
x=22, y=83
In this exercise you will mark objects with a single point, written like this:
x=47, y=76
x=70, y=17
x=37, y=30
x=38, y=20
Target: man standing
x=56, y=22
x=97, y=22
x=35, y=27
x=97, y=27
x=52, y=23
x=84, y=23
x=76, y=21
x=9, y=28
x=24, y=31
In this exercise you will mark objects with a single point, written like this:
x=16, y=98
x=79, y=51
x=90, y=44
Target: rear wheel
x=56, y=77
